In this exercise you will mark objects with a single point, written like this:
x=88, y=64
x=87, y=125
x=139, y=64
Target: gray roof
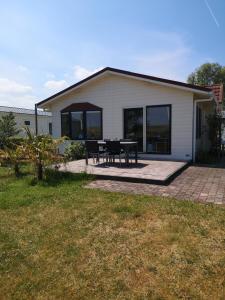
x=19, y=110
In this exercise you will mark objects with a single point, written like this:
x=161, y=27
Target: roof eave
x=159, y=81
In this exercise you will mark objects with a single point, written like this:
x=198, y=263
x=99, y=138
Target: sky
x=47, y=45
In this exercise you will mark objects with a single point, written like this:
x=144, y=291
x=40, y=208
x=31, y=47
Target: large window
x=158, y=129
x=93, y=125
x=82, y=125
x=77, y=125
x=133, y=125
x=65, y=124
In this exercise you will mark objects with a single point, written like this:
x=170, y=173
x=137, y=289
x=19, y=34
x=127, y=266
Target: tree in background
x=208, y=74
x=7, y=128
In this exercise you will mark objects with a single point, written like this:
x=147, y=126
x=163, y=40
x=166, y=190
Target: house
x=166, y=117
x=26, y=117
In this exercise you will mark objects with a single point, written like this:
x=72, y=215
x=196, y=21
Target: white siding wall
x=43, y=122
x=114, y=93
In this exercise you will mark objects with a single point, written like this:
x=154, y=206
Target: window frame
x=170, y=129
x=84, y=112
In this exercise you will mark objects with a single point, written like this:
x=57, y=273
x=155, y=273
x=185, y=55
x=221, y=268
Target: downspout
x=36, y=120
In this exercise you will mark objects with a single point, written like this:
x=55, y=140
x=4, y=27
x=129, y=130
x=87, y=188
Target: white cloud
x=26, y=101
x=168, y=64
x=8, y=86
x=22, y=68
x=81, y=72
x=170, y=59
x=13, y=93
x=55, y=85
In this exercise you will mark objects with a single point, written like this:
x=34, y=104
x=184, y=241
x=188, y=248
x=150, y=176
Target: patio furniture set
x=108, y=150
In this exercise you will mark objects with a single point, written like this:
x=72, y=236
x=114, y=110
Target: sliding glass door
x=133, y=125
x=158, y=129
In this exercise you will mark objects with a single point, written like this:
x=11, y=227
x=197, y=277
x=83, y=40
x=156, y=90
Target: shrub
x=42, y=150
x=13, y=156
x=207, y=157
x=75, y=151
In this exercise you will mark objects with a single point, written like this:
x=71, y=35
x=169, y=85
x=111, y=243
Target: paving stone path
x=196, y=183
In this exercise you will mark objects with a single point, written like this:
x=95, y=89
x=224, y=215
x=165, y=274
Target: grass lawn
x=59, y=240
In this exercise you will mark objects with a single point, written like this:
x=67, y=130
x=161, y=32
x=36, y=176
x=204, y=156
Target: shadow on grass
x=55, y=178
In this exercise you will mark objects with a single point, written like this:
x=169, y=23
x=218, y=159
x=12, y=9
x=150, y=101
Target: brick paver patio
x=145, y=169
x=203, y=184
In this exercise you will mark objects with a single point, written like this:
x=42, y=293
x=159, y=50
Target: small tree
x=42, y=150
x=7, y=128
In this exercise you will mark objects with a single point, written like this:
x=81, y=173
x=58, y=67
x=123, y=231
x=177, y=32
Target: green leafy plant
x=13, y=154
x=206, y=157
x=75, y=151
x=215, y=126
x=42, y=150
x=7, y=128
x=208, y=74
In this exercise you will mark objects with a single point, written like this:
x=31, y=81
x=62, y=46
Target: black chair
x=92, y=149
x=113, y=148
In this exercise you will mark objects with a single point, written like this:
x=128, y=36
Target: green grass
x=59, y=240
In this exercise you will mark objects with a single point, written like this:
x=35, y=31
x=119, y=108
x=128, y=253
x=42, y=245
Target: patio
x=197, y=183
x=149, y=171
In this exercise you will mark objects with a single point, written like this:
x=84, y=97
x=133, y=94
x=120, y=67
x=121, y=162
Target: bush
x=75, y=151
x=15, y=141
x=207, y=157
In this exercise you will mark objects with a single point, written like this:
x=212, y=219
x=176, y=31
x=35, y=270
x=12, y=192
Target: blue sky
x=48, y=45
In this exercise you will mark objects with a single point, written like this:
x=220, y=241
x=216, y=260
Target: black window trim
x=84, y=122
x=170, y=129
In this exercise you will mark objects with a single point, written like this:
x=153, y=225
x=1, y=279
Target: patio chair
x=92, y=149
x=113, y=148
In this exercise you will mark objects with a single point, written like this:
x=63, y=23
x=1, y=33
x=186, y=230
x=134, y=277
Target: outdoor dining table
x=126, y=147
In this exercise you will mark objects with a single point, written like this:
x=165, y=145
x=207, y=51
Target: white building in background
x=26, y=117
